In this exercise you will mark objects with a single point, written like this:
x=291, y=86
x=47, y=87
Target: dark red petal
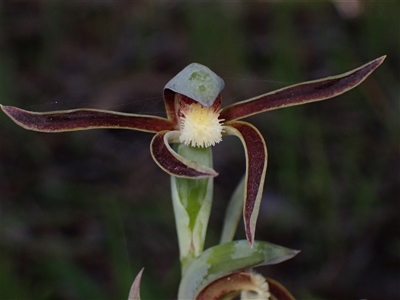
x=83, y=119
x=302, y=93
x=173, y=163
x=256, y=164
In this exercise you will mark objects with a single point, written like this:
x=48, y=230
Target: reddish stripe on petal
x=83, y=119
x=302, y=93
x=173, y=163
x=256, y=164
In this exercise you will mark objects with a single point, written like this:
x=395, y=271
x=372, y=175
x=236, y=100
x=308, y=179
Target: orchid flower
x=195, y=121
x=194, y=118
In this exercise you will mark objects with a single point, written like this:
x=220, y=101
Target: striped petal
x=256, y=164
x=302, y=93
x=83, y=119
x=173, y=163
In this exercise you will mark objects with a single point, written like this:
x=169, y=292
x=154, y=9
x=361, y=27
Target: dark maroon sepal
x=84, y=119
x=301, y=93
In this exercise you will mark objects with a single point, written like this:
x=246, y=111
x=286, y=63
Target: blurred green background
x=83, y=212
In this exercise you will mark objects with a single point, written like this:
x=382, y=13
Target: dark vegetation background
x=83, y=212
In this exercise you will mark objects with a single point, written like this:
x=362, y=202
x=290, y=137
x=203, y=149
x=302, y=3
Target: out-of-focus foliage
x=82, y=212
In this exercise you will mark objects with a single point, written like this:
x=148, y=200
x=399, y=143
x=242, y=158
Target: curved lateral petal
x=173, y=163
x=302, y=93
x=256, y=164
x=83, y=119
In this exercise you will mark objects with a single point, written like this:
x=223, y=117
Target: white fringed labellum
x=200, y=126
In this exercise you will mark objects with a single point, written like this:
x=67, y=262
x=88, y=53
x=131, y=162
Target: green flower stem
x=192, y=200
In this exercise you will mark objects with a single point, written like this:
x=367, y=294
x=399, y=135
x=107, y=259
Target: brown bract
x=168, y=129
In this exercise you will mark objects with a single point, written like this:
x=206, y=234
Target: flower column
x=193, y=96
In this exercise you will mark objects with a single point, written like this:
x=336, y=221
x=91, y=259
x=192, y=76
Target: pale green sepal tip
x=198, y=83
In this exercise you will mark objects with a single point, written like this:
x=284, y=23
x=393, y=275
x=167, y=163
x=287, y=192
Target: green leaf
x=224, y=259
